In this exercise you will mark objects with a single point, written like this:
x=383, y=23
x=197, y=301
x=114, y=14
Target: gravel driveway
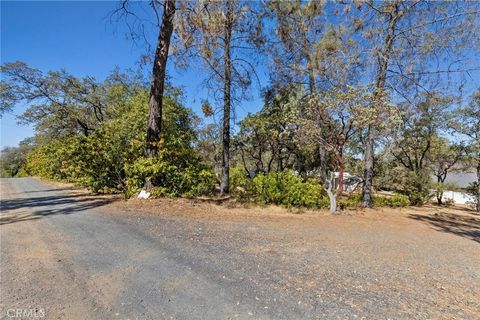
x=69, y=255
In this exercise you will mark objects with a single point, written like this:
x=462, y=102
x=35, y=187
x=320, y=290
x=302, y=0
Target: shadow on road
x=23, y=209
x=46, y=190
x=467, y=226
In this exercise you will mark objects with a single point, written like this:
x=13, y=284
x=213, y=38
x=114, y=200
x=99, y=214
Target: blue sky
x=79, y=37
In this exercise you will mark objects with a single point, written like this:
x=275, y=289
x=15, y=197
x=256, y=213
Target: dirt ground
x=417, y=243
x=461, y=220
x=80, y=256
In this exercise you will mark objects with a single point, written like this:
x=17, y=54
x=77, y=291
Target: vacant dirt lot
x=83, y=257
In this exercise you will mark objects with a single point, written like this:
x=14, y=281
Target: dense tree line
x=375, y=89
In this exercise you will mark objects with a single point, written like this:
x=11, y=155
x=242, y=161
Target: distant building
x=350, y=182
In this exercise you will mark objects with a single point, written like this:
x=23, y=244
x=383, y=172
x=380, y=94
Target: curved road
x=68, y=255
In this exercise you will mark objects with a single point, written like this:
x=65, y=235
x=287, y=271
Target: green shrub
x=307, y=194
x=241, y=185
x=110, y=159
x=159, y=192
x=352, y=201
x=12, y=159
x=287, y=189
x=54, y=160
x=175, y=171
x=239, y=179
x=355, y=200
x=280, y=188
x=396, y=200
x=474, y=191
x=269, y=188
x=203, y=184
x=414, y=184
x=399, y=200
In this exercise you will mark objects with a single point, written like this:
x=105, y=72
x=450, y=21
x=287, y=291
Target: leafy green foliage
x=93, y=134
x=12, y=159
x=473, y=190
x=281, y=188
x=241, y=184
x=416, y=185
x=175, y=171
x=396, y=200
x=352, y=201
x=47, y=161
x=286, y=188
x=110, y=159
x=393, y=201
x=267, y=141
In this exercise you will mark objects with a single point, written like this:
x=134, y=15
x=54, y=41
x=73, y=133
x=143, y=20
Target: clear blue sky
x=79, y=37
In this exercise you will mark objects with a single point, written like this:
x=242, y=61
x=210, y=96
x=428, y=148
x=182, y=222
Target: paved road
x=69, y=256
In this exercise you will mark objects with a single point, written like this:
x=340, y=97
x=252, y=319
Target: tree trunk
x=311, y=75
x=154, y=126
x=367, y=199
x=322, y=152
x=439, y=197
x=478, y=186
x=301, y=166
x=341, y=171
x=331, y=195
x=383, y=60
x=225, y=179
x=440, y=179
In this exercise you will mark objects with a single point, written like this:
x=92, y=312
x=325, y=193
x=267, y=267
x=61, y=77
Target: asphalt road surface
x=68, y=255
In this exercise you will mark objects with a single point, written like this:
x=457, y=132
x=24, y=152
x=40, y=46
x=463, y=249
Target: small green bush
x=397, y=200
x=352, y=201
x=290, y=190
x=473, y=190
x=239, y=179
x=241, y=186
x=159, y=192
x=280, y=188
x=269, y=188
x=175, y=172
x=417, y=186
x=307, y=194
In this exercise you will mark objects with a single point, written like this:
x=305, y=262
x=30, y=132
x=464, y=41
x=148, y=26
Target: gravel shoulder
x=79, y=256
